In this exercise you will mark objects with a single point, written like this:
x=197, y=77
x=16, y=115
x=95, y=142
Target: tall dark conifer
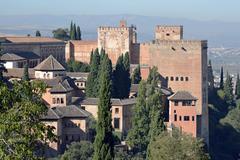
x=137, y=137
x=25, y=76
x=104, y=142
x=74, y=32
x=237, y=88
x=221, y=79
x=228, y=89
x=71, y=31
x=79, y=34
x=136, y=76
x=92, y=81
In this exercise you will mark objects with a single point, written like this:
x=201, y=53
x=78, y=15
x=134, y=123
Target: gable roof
x=49, y=64
x=19, y=55
x=182, y=95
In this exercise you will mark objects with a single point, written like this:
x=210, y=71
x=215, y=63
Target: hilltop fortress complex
x=181, y=63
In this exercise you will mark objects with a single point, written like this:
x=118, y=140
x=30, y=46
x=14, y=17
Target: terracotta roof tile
x=49, y=64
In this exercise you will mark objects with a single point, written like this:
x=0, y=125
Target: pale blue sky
x=222, y=10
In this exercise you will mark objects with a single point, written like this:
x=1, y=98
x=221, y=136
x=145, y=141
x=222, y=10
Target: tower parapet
x=168, y=32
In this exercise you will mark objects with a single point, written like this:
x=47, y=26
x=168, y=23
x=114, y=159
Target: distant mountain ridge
x=218, y=34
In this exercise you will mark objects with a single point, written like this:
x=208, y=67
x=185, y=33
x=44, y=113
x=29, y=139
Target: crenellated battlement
x=166, y=32
x=106, y=28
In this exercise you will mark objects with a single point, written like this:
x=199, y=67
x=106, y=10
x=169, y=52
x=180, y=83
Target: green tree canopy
x=61, y=34
x=38, y=34
x=237, y=88
x=228, y=89
x=104, y=140
x=79, y=151
x=121, y=76
x=136, y=76
x=177, y=146
x=21, y=129
x=93, y=81
x=79, y=34
x=25, y=76
x=75, y=66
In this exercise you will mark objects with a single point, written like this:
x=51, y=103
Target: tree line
x=224, y=118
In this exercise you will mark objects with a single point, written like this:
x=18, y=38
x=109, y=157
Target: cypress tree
x=137, y=137
x=228, y=90
x=136, y=76
x=127, y=79
x=221, y=78
x=154, y=106
x=237, y=89
x=71, y=31
x=25, y=76
x=92, y=81
x=104, y=142
x=78, y=33
x=74, y=32
x=38, y=34
x=122, y=81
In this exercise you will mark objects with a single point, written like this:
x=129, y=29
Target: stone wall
x=168, y=32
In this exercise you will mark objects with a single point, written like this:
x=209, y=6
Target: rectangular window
x=186, y=118
x=54, y=100
x=175, y=117
x=116, y=110
x=116, y=123
x=62, y=101
x=193, y=118
x=83, y=107
x=172, y=78
x=181, y=78
x=175, y=103
x=186, y=78
x=176, y=78
x=166, y=78
x=180, y=118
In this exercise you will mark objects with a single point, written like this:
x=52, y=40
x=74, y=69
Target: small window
x=176, y=78
x=116, y=110
x=58, y=100
x=172, y=78
x=193, y=118
x=180, y=118
x=174, y=111
x=182, y=78
x=186, y=78
x=173, y=49
x=175, y=117
x=167, y=34
x=175, y=103
x=62, y=101
x=166, y=78
x=83, y=107
x=81, y=84
x=54, y=100
x=186, y=118
x=116, y=123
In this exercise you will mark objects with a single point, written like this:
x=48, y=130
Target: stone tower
x=183, y=66
x=117, y=40
x=169, y=32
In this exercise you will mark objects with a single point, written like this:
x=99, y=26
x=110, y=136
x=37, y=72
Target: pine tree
x=228, y=89
x=25, y=76
x=136, y=76
x=92, y=81
x=237, y=89
x=79, y=34
x=38, y=34
x=221, y=79
x=104, y=142
x=137, y=137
